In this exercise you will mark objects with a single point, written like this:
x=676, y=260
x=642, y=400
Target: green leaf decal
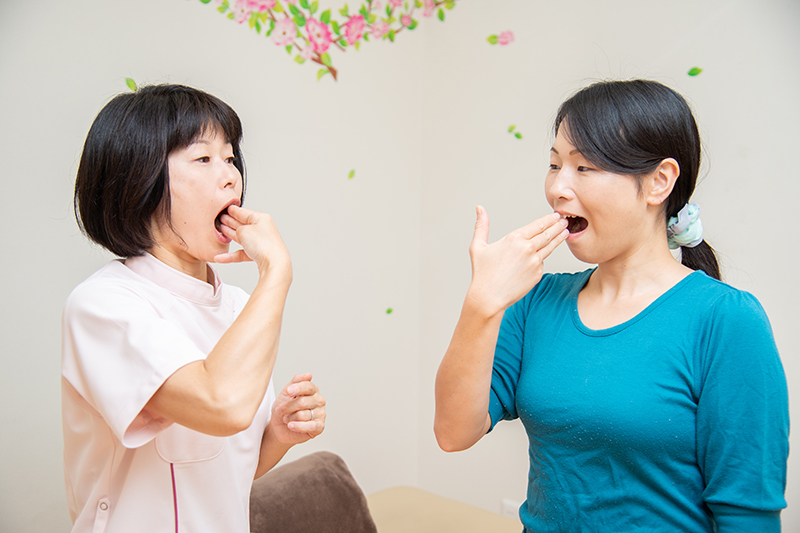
x=326, y=17
x=518, y=135
x=694, y=71
x=321, y=72
x=299, y=59
x=352, y=174
x=511, y=128
x=492, y=39
x=441, y=14
x=304, y=3
x=131, y=84
x=389, y=311
x=326, y=59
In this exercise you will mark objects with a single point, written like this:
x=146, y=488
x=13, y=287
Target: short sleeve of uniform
x=508, y=362
x=117, y=352
x=742, y=418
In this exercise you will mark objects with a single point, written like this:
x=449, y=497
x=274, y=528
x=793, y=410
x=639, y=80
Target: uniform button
x=103, y=506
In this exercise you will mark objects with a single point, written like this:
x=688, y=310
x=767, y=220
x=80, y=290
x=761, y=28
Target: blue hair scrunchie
x=685, y=229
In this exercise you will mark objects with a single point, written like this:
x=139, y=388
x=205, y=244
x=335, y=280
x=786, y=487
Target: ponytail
x=701, y=257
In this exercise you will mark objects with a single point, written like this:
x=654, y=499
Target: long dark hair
x=123, y=176
x=629, y=127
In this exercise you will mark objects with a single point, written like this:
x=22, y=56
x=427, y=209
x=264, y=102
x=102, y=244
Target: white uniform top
x=126, y=329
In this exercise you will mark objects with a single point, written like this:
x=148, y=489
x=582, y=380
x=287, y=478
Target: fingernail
x=556, y=215
x=563, y=222
x=291, y=390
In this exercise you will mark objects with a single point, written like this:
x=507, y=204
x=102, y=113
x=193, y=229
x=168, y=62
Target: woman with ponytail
x=652, y=393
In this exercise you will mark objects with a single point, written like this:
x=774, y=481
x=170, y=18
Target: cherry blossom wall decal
x=310, y=36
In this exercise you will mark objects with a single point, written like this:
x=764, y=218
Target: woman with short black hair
x=652, y=394
x=168, y=406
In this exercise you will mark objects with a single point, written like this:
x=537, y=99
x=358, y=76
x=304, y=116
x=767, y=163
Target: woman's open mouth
x=576, y=224
x=218, y=222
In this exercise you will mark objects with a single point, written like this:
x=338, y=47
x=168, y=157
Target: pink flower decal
x=319, y=35
x=506, y=37
x=284, y=33
x=307, y=53
x=354, y=29
x=260, y=5
x=380, y=28
x=329, y=30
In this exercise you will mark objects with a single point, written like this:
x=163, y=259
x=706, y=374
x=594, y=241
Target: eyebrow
x=572, y=152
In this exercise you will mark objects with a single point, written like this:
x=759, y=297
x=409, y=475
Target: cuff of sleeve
x=731, y=519
x=496, y=410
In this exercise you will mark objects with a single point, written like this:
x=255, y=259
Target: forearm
x=464, y=379
x=272, y=451
x=221, y=394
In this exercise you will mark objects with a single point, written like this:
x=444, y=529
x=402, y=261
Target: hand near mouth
x=260, y=240
x=504, y=271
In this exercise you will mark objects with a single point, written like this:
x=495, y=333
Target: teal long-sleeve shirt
x=676, y=420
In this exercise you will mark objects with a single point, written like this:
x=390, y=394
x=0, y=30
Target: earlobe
x=663, y=180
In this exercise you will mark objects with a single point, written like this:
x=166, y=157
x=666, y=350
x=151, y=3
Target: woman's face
x=203, y=182
x=608, y=216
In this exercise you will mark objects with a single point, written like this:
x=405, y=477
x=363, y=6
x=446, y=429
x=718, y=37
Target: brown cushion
x=316, y=493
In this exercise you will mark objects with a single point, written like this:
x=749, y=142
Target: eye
x=204, y=159
x=554, y=166
x=231, y=160
x=583, y=169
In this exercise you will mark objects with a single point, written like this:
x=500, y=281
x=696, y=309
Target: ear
x=662, y=181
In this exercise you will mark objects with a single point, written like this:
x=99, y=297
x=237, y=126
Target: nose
x=230, y=176
x=558, y=186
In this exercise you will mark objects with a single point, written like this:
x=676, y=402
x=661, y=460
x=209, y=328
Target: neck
x=647, y=270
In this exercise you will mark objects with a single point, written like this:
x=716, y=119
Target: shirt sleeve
x=508, y=363
x=117, y=351
x=742, y=418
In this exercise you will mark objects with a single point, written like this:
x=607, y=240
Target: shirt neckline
x=175, y=281
x=576, y=318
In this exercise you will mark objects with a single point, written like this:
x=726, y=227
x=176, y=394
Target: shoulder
x=722, y=302
x=114, y=286
x=559, y=287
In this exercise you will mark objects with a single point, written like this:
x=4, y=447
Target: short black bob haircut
x=629, y=127
x=123, y=175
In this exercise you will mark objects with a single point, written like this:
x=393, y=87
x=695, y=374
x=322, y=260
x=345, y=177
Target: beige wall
x=423, y=121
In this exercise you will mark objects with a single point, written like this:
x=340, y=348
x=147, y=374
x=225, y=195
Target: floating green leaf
x=344, y=11
x=289, y=48
x=389, y=311
x=326, y=59
x=492, y=39
x=299, y=59
x=511, y=128
x=413, y=24
x=131, y=84
x=352, y=174
x=441, y=14
x=391, y=35
x=321, y=72
x=694, y=71
x=518, y=135
x=206, y=1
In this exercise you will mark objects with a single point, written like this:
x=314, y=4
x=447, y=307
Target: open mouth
x=576, y=224
x=218, y=220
